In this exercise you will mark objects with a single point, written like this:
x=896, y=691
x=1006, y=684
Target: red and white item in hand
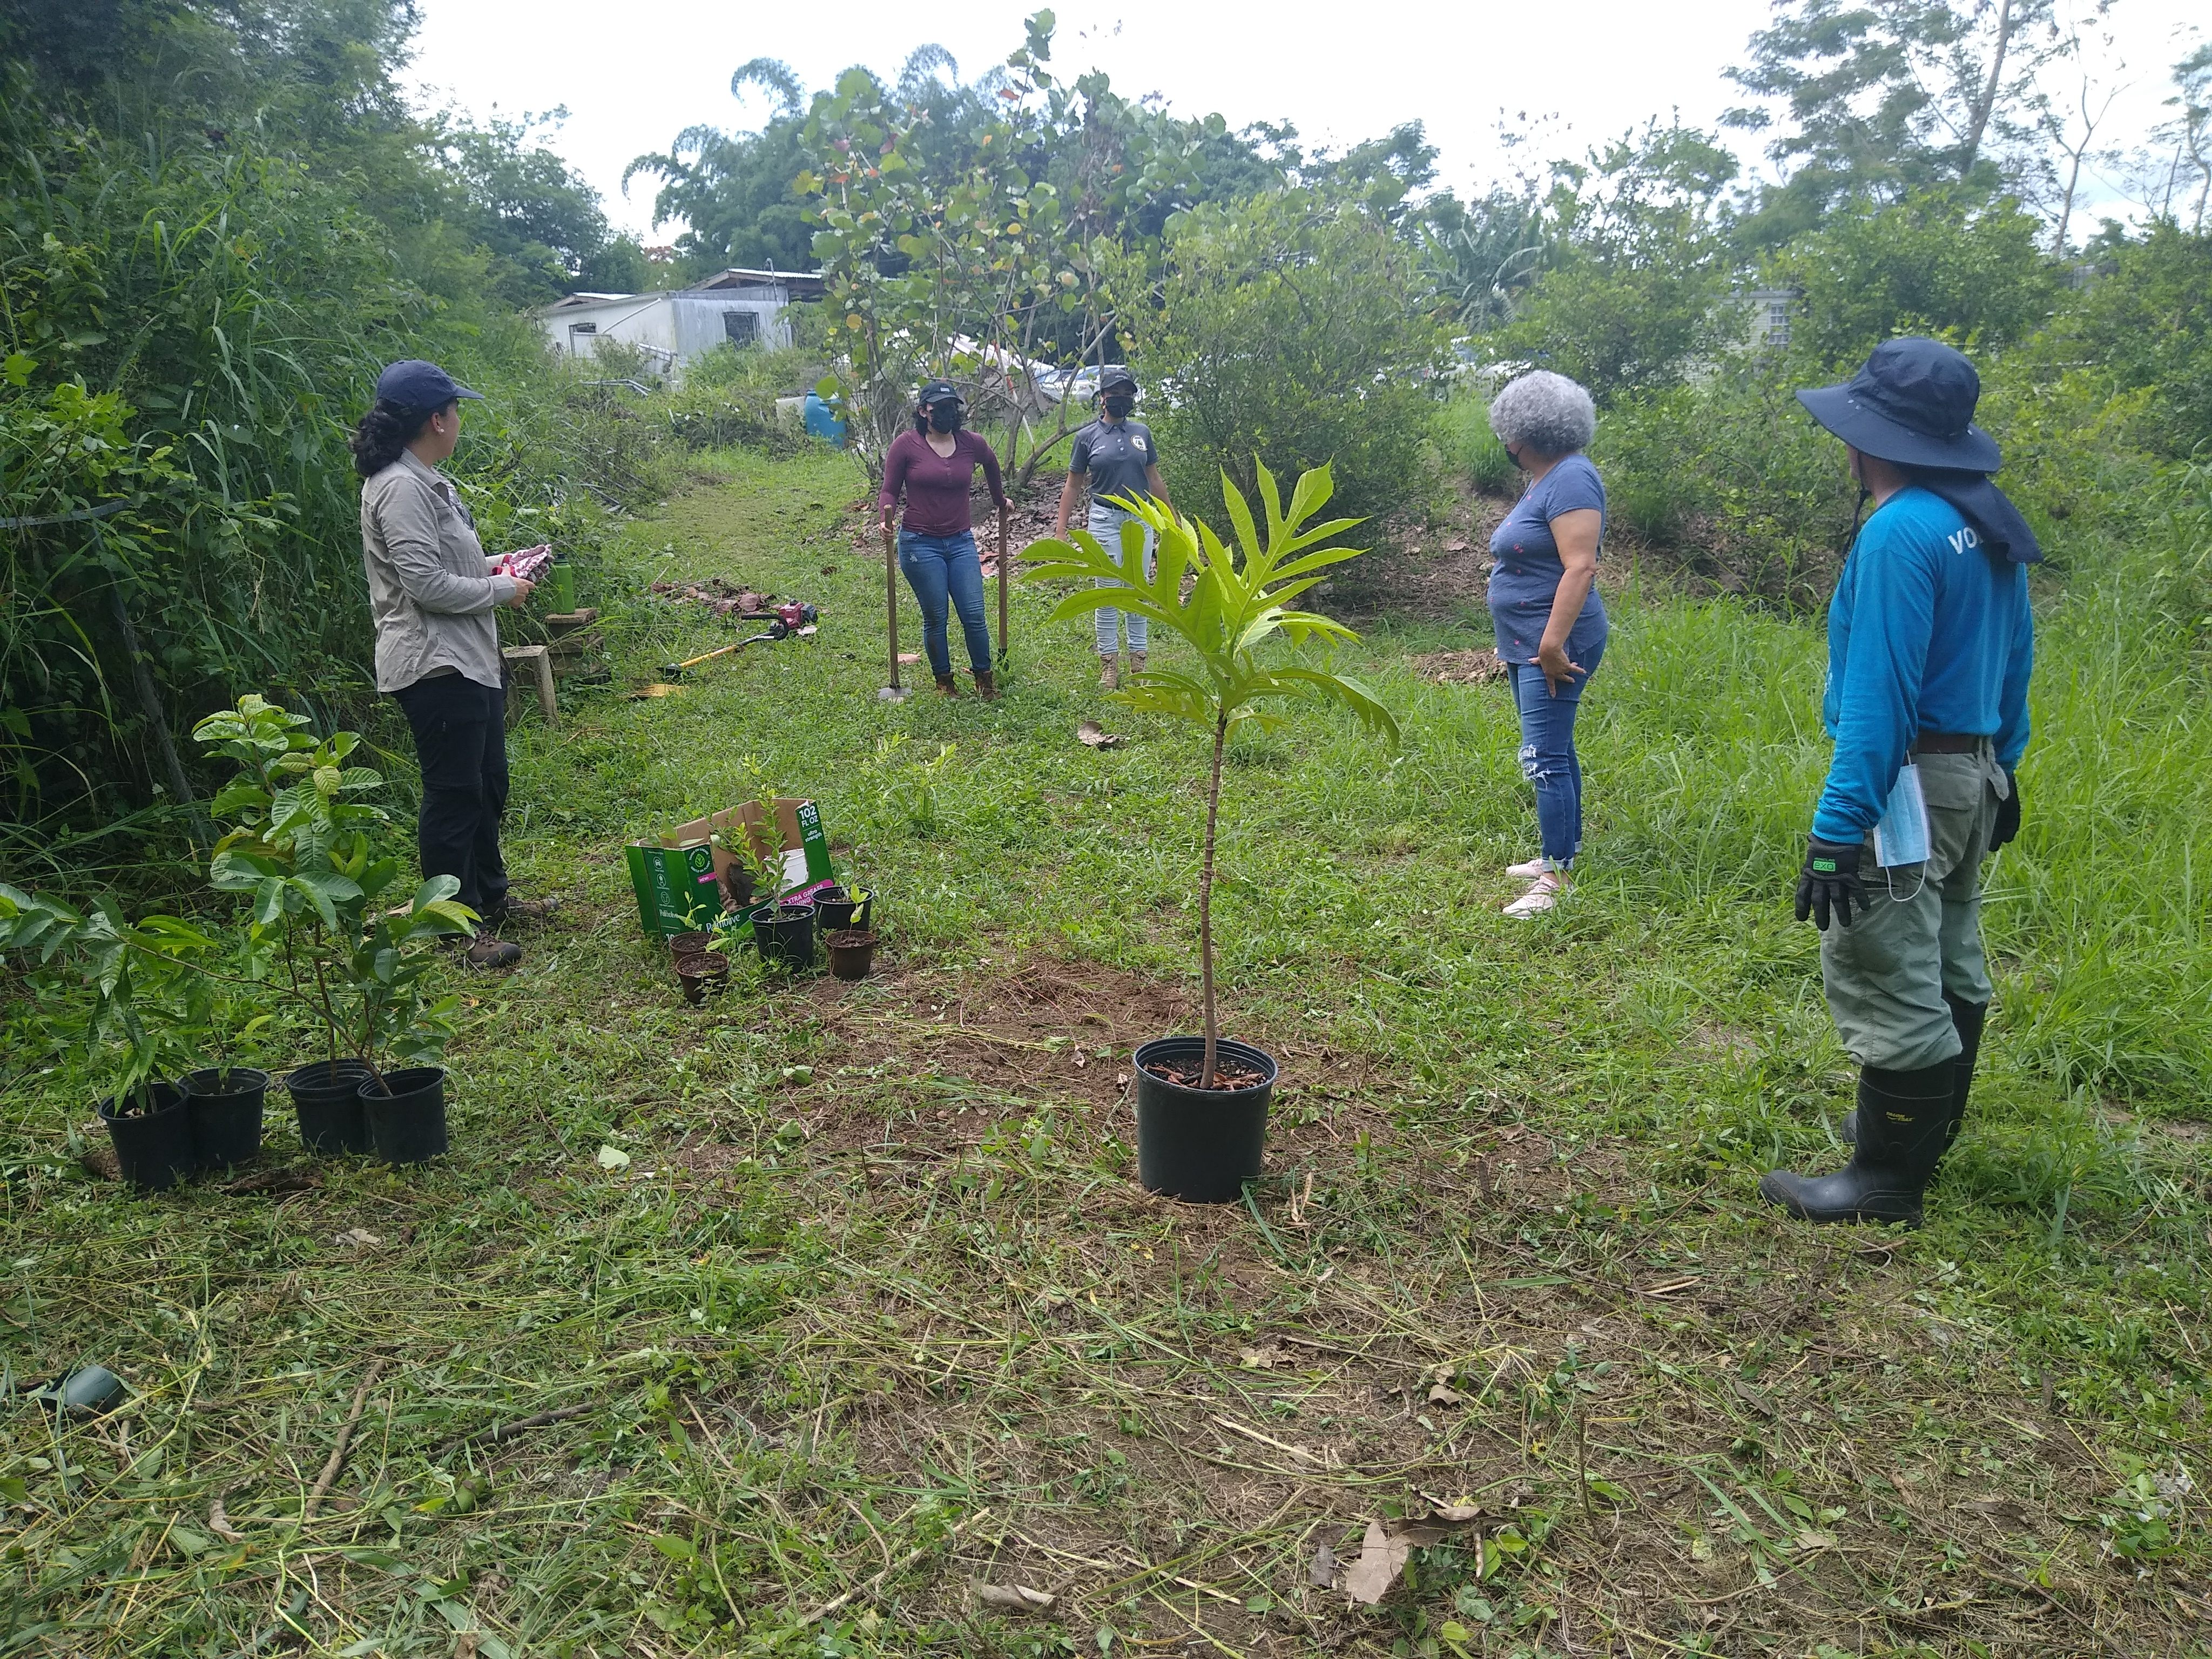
x=529, y=564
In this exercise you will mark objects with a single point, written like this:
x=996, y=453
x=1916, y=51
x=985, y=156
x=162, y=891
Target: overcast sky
x=634, y=74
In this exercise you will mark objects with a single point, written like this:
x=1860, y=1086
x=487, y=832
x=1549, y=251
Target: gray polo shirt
x=430, y=589
x=1116, y=455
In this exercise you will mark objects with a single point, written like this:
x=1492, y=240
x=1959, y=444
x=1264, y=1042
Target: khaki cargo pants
x=1921, y=933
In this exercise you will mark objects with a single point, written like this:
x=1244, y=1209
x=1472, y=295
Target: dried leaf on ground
x=358, y=1239
x=906, y=657
x=1389, y=1544
x=1097, y=735
x=1266, y=1357
x=1322, y=1572
x=1441, y=1395
x=613, y=1157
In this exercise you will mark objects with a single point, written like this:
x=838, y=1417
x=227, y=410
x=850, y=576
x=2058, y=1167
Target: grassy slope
x=877, y=1259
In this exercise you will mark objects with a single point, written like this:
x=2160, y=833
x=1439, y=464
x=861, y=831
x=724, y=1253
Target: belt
x=1947, y=742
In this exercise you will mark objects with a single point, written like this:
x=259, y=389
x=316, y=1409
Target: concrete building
x=677, y=324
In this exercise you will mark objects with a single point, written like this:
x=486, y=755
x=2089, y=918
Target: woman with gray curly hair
x=1550, y=623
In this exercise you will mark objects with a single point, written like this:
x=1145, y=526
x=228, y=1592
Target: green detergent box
x=675, y=886
x=677, y=879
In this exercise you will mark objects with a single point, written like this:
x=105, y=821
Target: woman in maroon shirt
x=934, y=465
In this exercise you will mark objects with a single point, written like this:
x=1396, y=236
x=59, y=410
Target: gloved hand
x=1830, y=882
x=2007, y=823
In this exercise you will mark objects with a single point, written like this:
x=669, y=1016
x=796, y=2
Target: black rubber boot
x=1967, y=1019
x=1904, y=1124
x=946, y=686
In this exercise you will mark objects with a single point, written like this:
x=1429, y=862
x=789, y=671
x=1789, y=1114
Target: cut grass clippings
x=796, y=1321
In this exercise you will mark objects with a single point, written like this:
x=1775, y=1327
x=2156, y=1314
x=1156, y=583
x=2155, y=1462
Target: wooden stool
x=540, y=661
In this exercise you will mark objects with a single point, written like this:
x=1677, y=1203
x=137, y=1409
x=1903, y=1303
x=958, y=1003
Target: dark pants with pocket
x=460, y=738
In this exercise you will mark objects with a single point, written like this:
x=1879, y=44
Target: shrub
x=1940, y=262
x=2147, y=324
x=1284, y=335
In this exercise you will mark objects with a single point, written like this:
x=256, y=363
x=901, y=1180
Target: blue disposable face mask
x=1902, y=836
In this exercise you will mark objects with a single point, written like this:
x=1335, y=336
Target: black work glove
x=1830, y=881
x=2008, y=823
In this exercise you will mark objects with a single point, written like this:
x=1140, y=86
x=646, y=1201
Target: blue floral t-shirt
x=1528, y=571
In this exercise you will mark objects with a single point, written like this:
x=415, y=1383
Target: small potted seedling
x=1202, y=1100
x=145, y=1014
x=314, y=857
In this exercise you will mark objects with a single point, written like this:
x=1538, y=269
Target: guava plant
x=1234, y=619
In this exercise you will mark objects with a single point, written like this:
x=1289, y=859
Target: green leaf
x=676, y=1549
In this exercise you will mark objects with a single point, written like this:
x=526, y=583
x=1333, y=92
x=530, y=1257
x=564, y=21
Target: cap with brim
x=412, y=383
x=937, y=392
x=1912, y=405
x=1116, y=379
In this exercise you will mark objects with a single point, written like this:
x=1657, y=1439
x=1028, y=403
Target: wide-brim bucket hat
x=1911, y=405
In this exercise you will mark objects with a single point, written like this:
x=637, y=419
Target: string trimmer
x=790, y=619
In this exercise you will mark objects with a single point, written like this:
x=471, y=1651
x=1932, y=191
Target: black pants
x=461, y=738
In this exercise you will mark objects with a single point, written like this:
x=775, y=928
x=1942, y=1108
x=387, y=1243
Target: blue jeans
x=1105, y=523
x=938, y=568
x=1548, y=751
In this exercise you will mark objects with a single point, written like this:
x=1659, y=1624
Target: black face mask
x=944, y=416
x=1119, y=408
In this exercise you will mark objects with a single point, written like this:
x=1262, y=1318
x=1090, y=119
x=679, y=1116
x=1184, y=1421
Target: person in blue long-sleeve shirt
x=1931, y=644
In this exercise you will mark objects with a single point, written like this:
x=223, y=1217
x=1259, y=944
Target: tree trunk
x=1205, y=904
x=1988, y=101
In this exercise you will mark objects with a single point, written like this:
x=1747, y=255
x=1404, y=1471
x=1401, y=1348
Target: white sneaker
x=1528, y=871
x=1540, y=897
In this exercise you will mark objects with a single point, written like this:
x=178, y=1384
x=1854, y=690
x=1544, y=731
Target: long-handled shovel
x=894, y=692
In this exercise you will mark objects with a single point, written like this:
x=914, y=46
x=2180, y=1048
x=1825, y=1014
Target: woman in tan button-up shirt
x=431, y=590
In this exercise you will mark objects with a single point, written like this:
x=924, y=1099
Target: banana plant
x=1238, y=605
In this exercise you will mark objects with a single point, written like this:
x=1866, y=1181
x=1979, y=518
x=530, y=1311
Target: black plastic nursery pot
x=852, y=952
x=225, y=1110
x=681, y=946
x=834, y=908
x=327, y=1097
x=406, y=1114
x=785, y=934
x=701, y=974
x=1200, y=1144
x=154, y=1141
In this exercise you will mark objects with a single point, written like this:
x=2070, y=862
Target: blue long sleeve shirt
x=1927, y=633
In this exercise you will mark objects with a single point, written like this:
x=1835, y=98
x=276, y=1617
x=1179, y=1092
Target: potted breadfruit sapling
x=1202, y=1100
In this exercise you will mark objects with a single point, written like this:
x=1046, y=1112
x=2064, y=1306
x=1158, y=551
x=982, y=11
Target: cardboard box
x=677, y=879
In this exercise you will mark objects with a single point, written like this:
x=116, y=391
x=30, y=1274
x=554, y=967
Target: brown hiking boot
x=987, y=685
x=947, y=686
x=1136, y=662
x=1109, y=673
x=485, y=951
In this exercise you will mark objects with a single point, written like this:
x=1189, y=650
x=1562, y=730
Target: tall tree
x=1880, y=97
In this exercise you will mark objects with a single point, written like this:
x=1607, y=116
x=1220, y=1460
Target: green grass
x=877, y=1262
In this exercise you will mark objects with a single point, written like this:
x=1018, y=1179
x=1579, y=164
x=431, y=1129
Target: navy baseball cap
x=413, y=384
x=1913, y=404
x=937, y=392
x=1115, y=378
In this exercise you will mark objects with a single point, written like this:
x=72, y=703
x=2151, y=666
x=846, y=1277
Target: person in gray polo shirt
x=1120, y=461
x=431, y=590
